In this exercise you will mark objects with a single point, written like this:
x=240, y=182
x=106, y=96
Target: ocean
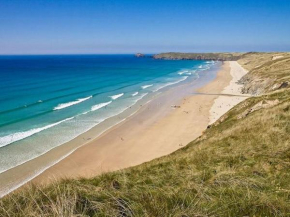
x=48, y=100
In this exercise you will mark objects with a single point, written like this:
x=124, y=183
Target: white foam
x=146, y=86
x=183, y=72
x=101, y=105
x=41, y=170
x=171, y=83
x=6, y=140
x=206, y=68
x=116, y=96
x=134, y=94
x=141, y=97
x=10, y=189
x=200, y=67
x=65, y=105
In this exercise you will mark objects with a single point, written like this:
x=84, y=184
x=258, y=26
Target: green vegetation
x=268, y=72
x=238, y=167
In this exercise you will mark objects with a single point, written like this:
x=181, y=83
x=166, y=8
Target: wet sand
x=155, y=131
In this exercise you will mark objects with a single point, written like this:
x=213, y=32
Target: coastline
x=153, y=130
x=144, y=136
x=22, y=174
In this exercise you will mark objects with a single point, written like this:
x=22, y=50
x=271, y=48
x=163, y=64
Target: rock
x=277, y=57
x=284, y=85
x=139, y=55
x=280, y=85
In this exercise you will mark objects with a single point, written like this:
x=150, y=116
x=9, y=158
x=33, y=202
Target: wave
x=206, y=68
x=140, y=97
x=146, y=86
x=65, y=105
x=171, y=83
x=134, y=94
x=210, y=62
x=6, y=140
x=183, y=72
x=200, y=67
x=186, y=72
x=116, y=96
x=101, y=105
x=42, y=169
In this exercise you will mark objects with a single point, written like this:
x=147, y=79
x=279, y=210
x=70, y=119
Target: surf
x=116, y=96
x=99, y=106
x=6, y=140
x=65, y=105
x=146, y=86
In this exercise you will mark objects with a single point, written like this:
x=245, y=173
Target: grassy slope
x=238, y=167
x=265, y=74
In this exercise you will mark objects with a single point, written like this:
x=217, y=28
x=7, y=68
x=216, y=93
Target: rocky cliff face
x=270, y=73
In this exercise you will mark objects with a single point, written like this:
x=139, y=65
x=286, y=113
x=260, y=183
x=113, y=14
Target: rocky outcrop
x=139, y=55
x=268, y=76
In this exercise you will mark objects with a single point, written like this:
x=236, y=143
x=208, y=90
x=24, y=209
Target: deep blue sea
x=46, y=100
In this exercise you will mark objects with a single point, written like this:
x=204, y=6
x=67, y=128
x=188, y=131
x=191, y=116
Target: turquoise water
x=46, y=101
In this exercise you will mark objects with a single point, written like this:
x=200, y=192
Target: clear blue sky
x=149, y=26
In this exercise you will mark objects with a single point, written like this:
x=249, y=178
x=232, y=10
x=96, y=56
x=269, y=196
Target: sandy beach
x=231, y=94
x=152, y=133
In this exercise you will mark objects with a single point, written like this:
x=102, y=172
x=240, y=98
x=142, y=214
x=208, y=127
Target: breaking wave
x=6, y=140
x=146, y=86
x=101, y=105
x=65, y=105
x=116, y=96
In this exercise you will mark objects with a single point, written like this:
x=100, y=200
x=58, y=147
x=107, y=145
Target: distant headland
x=199, y=56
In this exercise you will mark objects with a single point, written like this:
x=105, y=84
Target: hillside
x=199, y=56
x=239, y=167
x=268, y=72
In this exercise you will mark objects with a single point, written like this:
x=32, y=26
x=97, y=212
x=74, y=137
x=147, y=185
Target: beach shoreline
x=162, y=100
x=156, y=129
x=141, y=139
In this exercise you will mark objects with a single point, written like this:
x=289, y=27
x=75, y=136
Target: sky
x=146, y=26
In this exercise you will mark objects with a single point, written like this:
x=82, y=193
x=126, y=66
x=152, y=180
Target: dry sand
x=231, y=95
x=150, y=133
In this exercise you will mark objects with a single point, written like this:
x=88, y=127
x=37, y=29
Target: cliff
x=267, y=72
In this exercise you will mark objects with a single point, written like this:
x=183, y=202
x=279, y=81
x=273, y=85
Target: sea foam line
x=116, y=96
x=65, y=105
x=41, y=170
x=183, y=72
x=146, y=86
x=6, y=140
x=134, y=94
x=171, y=83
